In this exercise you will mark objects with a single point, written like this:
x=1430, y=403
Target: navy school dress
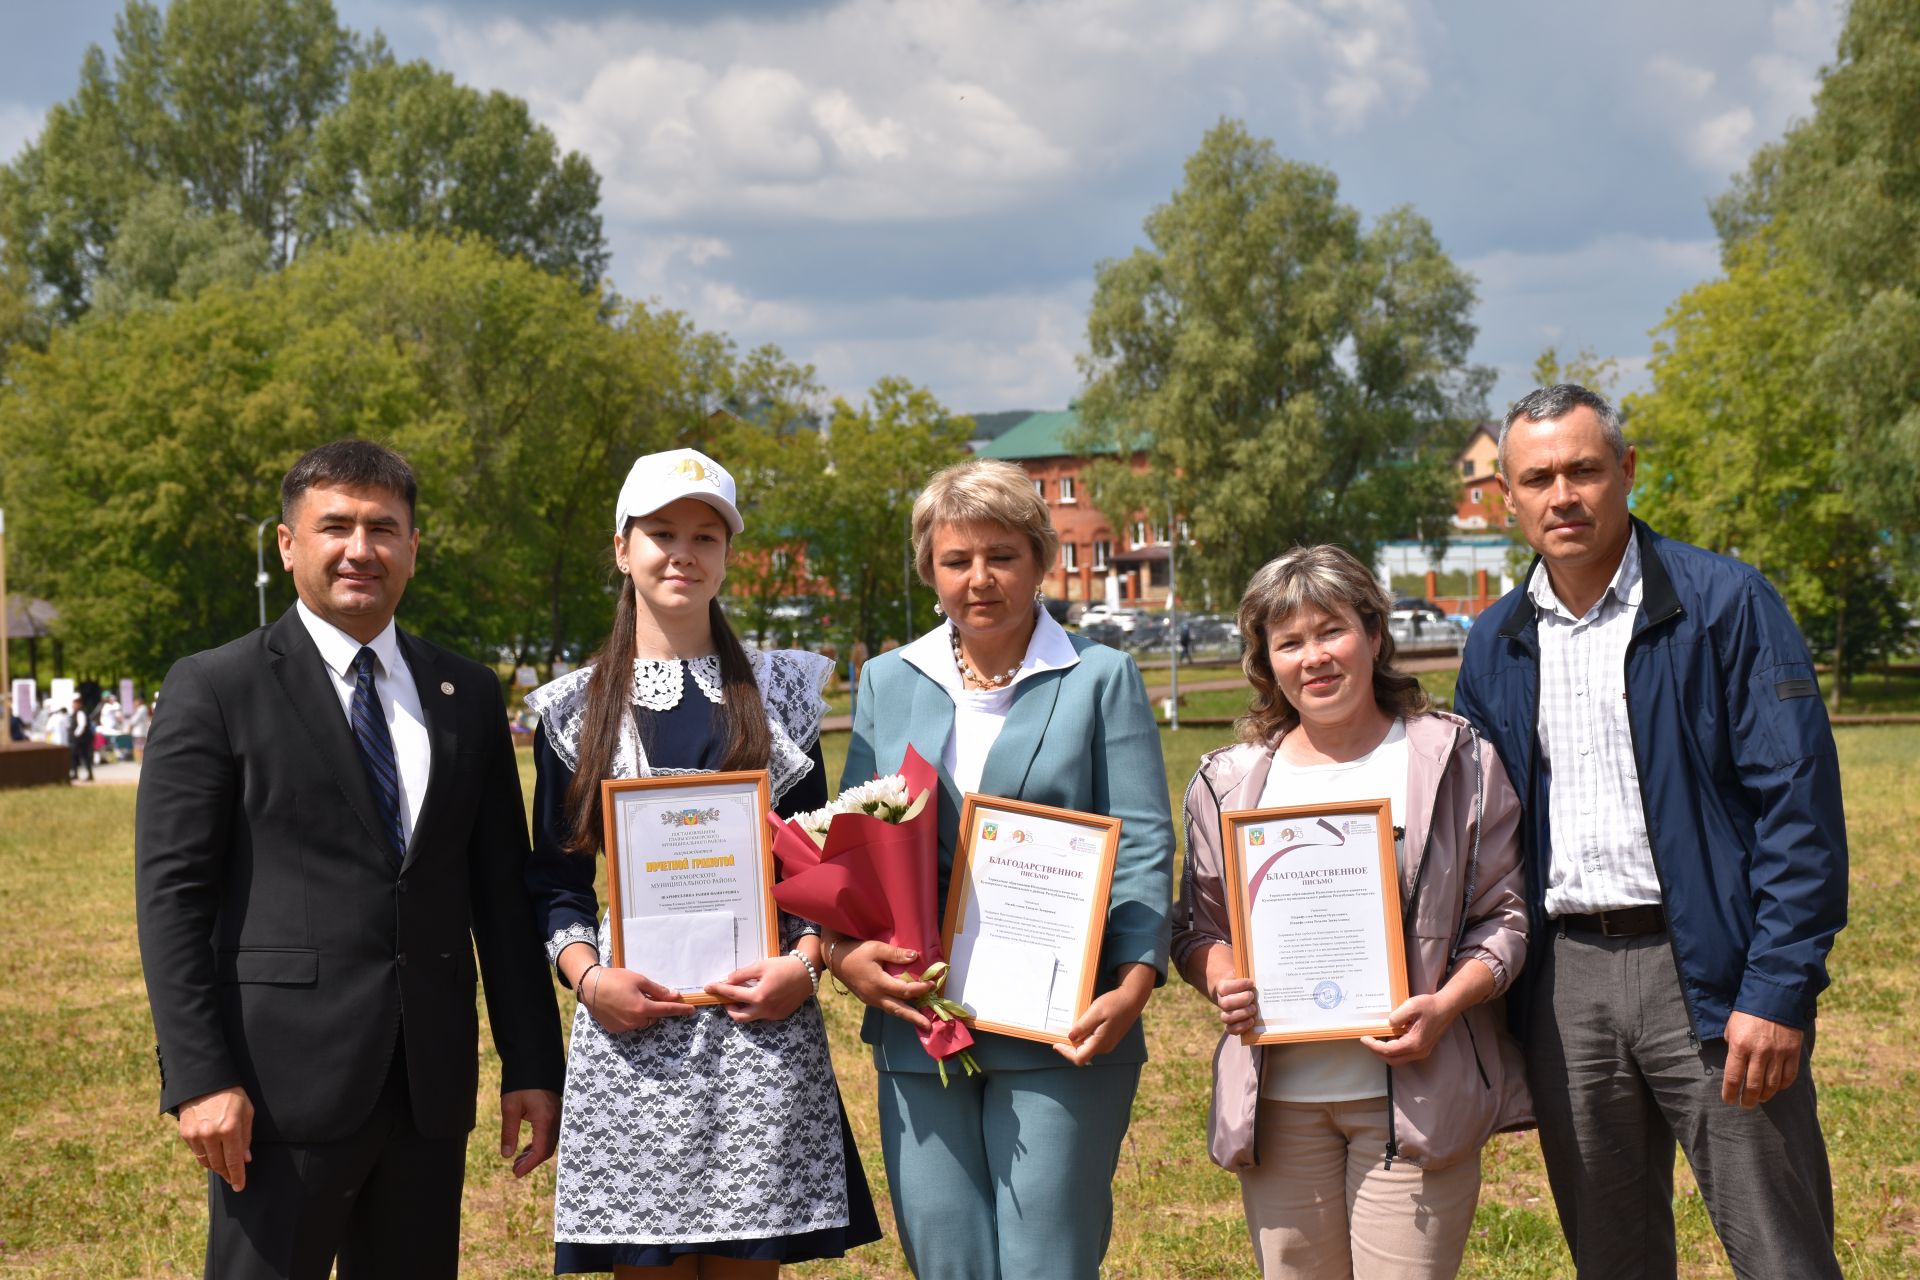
x=697, y=1135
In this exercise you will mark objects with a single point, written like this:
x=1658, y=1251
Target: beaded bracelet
x=813, y=974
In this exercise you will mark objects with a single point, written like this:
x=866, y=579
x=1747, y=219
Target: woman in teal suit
x=1008, y=1174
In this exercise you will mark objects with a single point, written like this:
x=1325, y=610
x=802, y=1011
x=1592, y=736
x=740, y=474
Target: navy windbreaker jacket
x=1738, y=777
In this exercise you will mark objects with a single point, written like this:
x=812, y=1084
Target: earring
x=1039, y=595
x=938, y=611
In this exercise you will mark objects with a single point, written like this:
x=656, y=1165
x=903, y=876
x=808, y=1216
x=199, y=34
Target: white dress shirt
x=980, y=714
x=399, y=703
x=1601, y=858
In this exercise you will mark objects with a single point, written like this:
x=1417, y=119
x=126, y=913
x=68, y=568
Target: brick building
x=1091, y=549
x=1479, y=503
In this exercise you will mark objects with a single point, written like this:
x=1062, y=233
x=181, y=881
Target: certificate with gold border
x=1026, y=914
x=689, y=877
x=1314, y=913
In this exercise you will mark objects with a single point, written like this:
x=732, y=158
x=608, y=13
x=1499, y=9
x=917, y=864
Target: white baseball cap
x=660, y=478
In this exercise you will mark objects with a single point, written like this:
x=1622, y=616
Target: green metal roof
x=1044, y=435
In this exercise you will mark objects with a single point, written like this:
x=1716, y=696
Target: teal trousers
x=1008, y=1175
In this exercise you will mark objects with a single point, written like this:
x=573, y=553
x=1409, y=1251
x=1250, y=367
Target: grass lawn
x=99, y=1185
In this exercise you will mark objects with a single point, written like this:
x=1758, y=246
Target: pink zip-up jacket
x=1473, y=1084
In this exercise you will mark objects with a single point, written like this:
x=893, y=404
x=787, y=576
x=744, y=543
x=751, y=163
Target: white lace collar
x=790, y=682
x=658, y=683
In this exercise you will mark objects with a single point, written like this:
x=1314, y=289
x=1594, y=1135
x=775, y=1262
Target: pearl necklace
x=968, y=673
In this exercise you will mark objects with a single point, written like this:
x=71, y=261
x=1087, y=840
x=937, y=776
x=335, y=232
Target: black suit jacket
x=283, y=951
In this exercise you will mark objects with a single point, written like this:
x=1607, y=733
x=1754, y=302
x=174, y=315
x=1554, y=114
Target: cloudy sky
x=923, y=187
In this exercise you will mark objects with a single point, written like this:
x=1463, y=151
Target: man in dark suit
x=329, y=828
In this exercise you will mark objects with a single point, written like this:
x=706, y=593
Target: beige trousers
x=1321, y=1204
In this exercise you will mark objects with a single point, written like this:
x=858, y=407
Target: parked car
x=1126, y=618
x=1416, y=606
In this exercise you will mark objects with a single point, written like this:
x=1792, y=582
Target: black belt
x=1621, y=922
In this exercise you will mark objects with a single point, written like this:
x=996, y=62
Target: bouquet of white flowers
x=884, y=798
x=867, y=866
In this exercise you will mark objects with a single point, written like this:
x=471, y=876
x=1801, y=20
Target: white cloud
x=1722, y=143
x=1601, y=295
x=1689, y=82
x=1718, y=105
x=19, y=125
x=872, y=110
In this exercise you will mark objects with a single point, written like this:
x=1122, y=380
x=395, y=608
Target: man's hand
x=540, y=1108
x=218, y=1128
x=1762, y=1059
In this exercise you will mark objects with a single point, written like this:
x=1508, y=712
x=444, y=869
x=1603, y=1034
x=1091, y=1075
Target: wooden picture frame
x=1347, y=862
x=1069, y=857
x=727, y=867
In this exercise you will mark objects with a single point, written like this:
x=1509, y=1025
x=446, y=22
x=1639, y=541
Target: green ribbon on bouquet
x=936, y=1005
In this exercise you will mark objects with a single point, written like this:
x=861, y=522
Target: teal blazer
x=1082, y=737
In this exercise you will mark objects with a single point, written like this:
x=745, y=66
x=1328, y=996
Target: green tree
x=878, y=455
x=1293, y=376
x=1587, y=368
x=216, y=97
x=1845, y=183
x=1738, y=444
x=768, y=436
x=269, y=115
x=166, y=250
x=413, y=150
x=139, y=449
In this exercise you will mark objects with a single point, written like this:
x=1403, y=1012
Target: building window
x=1466, y=467
x=1160, y=535
x=1474, y=493
x=1066, y=490
x=779, y=560
x=1069, y=559
x=1139, y=533
x=1102, y=552
x=1040, y=487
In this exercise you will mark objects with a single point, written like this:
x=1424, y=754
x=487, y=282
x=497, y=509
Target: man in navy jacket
x=1657, y=710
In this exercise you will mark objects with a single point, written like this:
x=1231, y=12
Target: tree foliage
x=270, y=116
x=1788, y=392
x=1293, y=376
x=878, y=455
x=1738, y=439
x=412, y=150
x=139, y=449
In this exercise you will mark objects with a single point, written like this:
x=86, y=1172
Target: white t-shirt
x=980, y=714
x=1336, y=1070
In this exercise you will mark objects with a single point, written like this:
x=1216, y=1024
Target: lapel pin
x=446, y=686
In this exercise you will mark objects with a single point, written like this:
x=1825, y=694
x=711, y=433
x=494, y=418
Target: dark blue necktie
x=376, y=750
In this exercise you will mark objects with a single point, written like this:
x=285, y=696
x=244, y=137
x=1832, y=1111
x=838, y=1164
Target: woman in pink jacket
x=1361, y=1157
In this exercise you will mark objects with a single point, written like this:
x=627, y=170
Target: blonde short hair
x=982, y=491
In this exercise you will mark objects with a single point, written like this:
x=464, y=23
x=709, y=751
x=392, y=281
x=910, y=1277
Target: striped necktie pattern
x=376, y=750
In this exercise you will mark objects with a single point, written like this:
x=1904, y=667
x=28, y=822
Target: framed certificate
x=1026, y=912
x=1314, y=910
x=690, y=877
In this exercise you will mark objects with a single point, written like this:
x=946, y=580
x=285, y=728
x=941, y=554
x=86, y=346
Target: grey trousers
x=1617, y=1076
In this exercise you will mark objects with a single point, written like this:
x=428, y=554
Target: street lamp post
x=260, y=560
x=1173, y=624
